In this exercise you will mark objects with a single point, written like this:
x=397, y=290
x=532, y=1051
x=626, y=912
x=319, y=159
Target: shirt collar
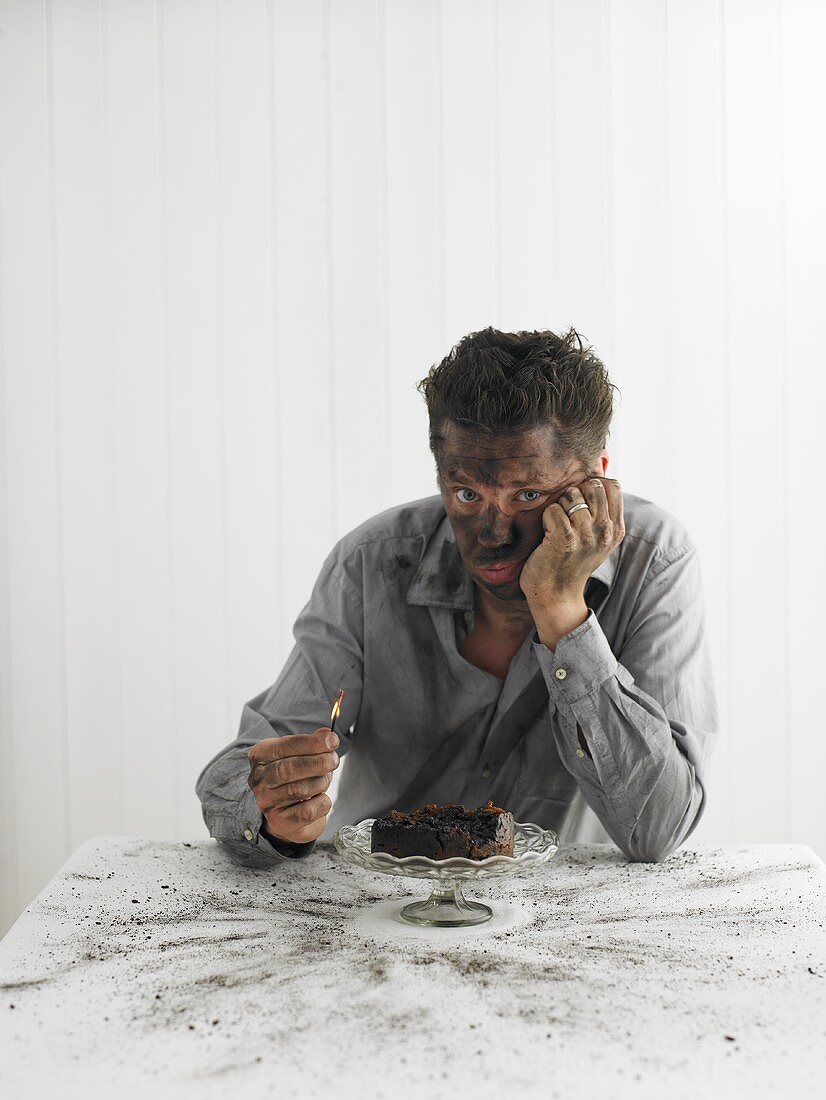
x=442, y=580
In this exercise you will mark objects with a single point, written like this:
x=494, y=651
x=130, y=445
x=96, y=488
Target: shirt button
x=486, y=773
x=579, y=752
x=248, y=833
x=560, y=674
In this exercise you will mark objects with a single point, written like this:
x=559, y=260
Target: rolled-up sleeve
x=327, y=655
x=635, y=728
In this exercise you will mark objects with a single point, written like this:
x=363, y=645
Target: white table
x=160, y=969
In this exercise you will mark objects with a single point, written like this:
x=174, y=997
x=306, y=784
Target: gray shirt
x=420, y=723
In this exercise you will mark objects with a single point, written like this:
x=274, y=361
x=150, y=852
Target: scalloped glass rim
x=532, y=844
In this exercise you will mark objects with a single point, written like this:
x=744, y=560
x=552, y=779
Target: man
x=528, y=635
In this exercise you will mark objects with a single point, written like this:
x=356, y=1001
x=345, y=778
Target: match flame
x=336, y=707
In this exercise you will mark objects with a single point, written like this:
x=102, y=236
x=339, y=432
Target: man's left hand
x=557, y=571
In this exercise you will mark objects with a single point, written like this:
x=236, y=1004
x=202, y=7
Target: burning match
x=336, y=709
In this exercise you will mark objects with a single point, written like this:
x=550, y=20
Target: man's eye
x=531, y=500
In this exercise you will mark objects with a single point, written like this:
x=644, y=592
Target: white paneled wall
x=235, y=234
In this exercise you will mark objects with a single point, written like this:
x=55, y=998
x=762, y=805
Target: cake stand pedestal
x=447, y=907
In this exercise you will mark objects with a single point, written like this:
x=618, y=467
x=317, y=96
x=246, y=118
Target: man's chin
x=507, y=590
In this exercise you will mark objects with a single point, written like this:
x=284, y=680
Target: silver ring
x=572, y=510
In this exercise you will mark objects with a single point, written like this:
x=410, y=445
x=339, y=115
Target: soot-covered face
x=495, y=489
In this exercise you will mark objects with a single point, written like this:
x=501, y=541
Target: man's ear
x=602, y=462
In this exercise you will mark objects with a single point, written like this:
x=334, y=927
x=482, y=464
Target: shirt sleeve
x=636, y=729
x=327, y=655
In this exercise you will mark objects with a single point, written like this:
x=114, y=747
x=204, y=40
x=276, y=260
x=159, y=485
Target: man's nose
x=496, y=529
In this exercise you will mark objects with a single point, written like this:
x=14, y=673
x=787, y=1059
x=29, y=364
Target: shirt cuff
x=581, y=662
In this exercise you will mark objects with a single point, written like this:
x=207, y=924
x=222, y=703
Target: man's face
x=495, y=489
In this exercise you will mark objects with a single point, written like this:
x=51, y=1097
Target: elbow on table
x=651, y=851
x=658, y=831
x=649, y=844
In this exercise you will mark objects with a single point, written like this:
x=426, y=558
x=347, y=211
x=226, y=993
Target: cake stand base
x=446, y=908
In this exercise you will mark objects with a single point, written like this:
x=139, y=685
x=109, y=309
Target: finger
x=300, y=834
x=288, y=794
x=595, y=496
x=593, y=492
x=616, y=507
x=291, y=744
x=305, y=813
x=568, y=500
x=291, y=768
x=558, y=525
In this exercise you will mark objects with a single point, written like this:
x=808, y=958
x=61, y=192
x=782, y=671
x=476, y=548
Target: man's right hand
x=288, y=776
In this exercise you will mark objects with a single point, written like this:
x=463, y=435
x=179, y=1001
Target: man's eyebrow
x=457, y=474
x=528, y=484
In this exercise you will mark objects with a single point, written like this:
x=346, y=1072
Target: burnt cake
x=441, y=832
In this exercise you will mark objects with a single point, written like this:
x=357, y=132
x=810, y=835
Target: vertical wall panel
x=356, y=239
x=8, y=825
x=245, y=210
x=469, y=151
x=758, y=456
x=696, y=454
x=524, y=164
x=412, y=193
x=197, y=399
x=34, y=695
x=305, y=505
x=87, y=453
x=802, y=33
x=582, y=278
x=641, y=350
x=141, y=441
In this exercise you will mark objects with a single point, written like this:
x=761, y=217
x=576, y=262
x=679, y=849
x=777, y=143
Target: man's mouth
x=503, y=573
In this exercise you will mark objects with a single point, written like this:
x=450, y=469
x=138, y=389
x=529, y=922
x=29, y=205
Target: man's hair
x=495, y=382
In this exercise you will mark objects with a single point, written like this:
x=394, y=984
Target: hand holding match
x=289, y=776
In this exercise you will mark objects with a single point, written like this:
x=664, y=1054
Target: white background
x=234, y=235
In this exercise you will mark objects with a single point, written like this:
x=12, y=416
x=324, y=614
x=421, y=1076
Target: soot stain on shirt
x=451, y=567
x=450, y=573
x=395, y=565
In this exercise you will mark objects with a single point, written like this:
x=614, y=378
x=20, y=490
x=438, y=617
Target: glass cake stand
x=447, y=906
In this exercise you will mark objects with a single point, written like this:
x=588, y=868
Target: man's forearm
x=618, y=742
x=630, y=770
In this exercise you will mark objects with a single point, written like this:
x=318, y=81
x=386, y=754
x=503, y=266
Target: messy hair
x=495, y=382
